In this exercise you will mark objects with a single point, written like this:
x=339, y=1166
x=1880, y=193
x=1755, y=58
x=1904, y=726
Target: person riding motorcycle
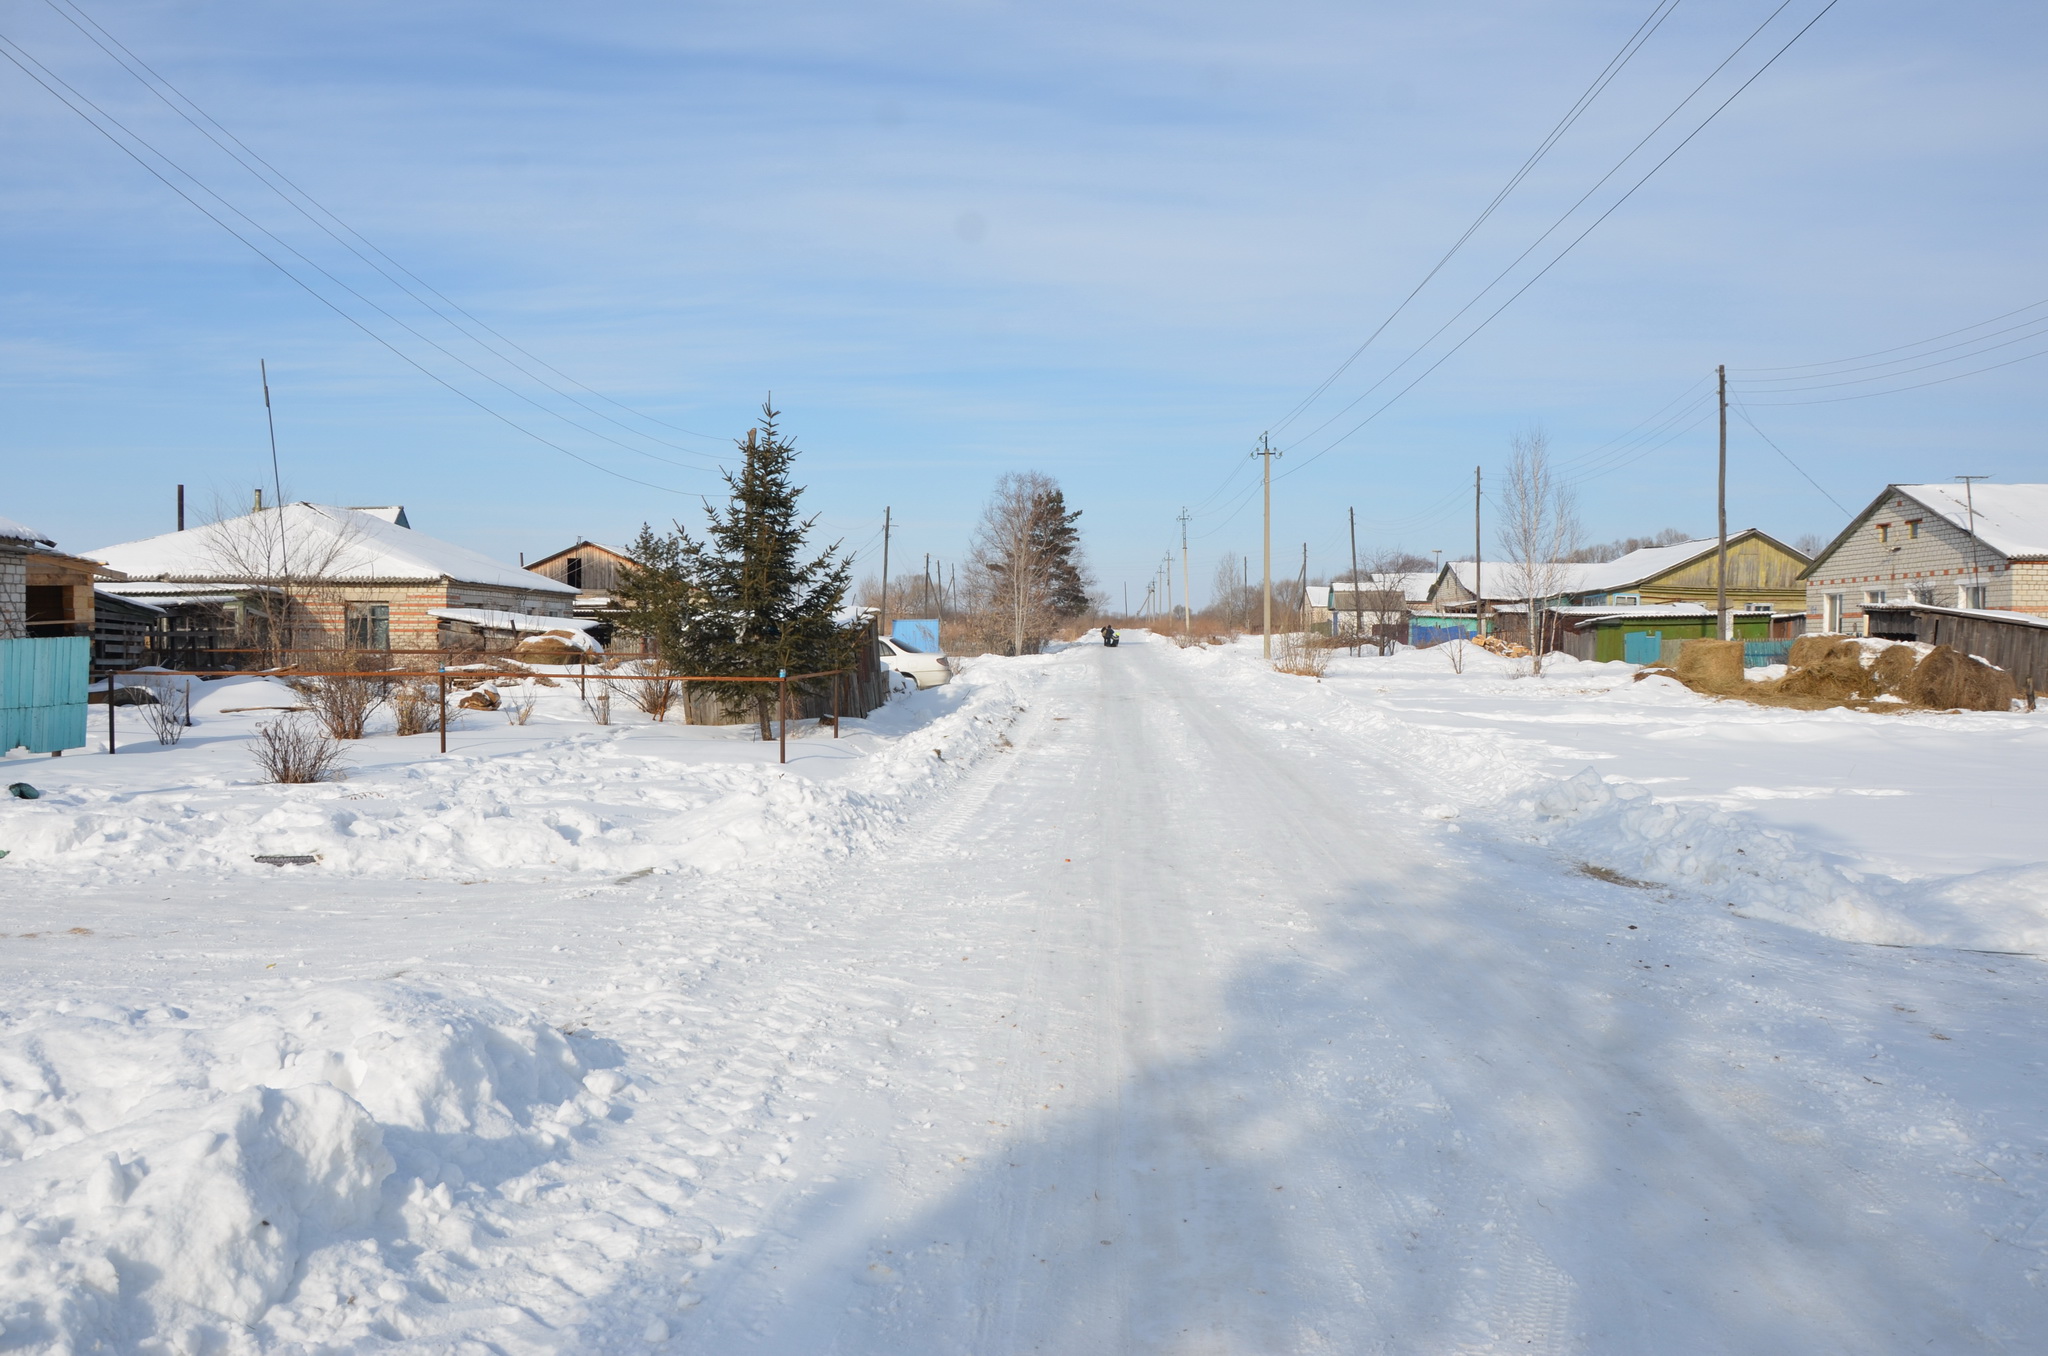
x=1110, y=637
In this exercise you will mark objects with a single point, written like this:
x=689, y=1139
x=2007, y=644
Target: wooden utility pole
x=883, y=627
x=1357, y=598
x=1186, y=592
x=1478, y=566
x=1266, y=627
x=1723, y=625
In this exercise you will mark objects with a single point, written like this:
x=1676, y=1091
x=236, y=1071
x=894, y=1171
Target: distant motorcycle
x=1110, y=637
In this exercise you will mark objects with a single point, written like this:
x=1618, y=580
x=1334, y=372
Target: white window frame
x=1831, y=612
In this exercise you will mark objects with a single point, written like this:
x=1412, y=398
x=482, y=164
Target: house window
x=1912, y=529
x=1884, y=531
x=1873, y=597
x=369, y=626
x=1627, y=600
x=1757, y=607
x=1972, y=595
x=1831, y=612
x=572, y=572
x=1920, y=593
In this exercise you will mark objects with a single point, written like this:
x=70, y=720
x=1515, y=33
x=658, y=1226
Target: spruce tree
x=743, y=602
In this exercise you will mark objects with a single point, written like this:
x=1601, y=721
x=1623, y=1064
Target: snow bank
x=557, y=797
x=1763, y=873
x=164, y=1173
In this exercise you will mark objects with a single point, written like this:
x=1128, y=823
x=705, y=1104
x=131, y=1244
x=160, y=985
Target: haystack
x=1951, y=680
x=1710, y=665
x=1828, y=668
x=1893, y=670
x=551, y=647
x=483, y=699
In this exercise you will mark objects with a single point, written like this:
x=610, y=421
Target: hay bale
x=1809, y=650
x=1710, y=665
x=1949, y=680
x=1893, y=669
x=482, y=699
x=549, y=648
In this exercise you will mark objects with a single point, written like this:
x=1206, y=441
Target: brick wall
x=1935, y=564
x=13, y=593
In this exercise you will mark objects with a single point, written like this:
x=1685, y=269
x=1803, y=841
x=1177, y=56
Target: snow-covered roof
x=1983, y=613
x=2011, y=519
x=155, y=605
x=1508, y=581
x=393, y=514
x=510, y=621
x=13, y=531
x=1647, y=563
x=1412, y=585
x=313, y=540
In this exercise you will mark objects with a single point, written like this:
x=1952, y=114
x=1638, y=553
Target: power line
x=338, y=282
x=6, y=44
x=1896, y=390
x=1788, y=458
x=2030, y=306
x=1574, y=243
x=2035, y=332
x=155, y=79
x=1660, y=12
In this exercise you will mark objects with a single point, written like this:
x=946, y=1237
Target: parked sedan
x=927, y=670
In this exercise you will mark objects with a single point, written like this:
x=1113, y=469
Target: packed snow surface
x=1141, y=1000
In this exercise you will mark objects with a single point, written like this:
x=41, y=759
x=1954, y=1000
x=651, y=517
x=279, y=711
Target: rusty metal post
x=110, y=711
x=443, y=686
x=782, y=710
x=835, y=704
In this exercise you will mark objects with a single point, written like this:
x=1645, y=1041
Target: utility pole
x=1266, y=629
x=1187, y=617
x=1357, y=598
x=883, y=626
x=1726, y=628
x=1478, y=564
x=1970, y=508
x=1301, y=596
x=1127, y=597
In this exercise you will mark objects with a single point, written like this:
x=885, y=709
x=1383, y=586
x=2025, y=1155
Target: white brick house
x=1987, y=548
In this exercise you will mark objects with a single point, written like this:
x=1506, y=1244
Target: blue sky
x=1112, y=243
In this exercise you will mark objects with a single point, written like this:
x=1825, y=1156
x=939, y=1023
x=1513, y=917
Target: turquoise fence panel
x=42, y=693
x=1642, y=647
x=1757, y=654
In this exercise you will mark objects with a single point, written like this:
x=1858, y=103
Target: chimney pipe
x=181, y=508
x=259, y=501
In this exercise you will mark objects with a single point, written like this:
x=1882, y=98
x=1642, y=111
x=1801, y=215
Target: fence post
x=782, y=710
x=110, y=711
x=443, y=687
x=835, y=704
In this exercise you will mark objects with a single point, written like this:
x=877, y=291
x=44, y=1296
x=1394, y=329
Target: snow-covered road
x=1178, y=1026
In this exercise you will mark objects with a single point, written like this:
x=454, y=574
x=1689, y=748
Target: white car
x=927, y=670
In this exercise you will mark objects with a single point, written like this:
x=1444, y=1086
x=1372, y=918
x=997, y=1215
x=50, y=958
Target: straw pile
x=1830, y=671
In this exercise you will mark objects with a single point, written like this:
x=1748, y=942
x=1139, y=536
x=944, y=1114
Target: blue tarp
x=921, y=636
x=42, y=693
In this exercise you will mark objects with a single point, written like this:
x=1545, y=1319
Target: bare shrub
x=1301, y=653
x=342, y=705
x=416, y=707
x=653, y=696
x=292, y=751
x=517, y=703
x=170, y=713
x=597, y=700
x=1454, y=650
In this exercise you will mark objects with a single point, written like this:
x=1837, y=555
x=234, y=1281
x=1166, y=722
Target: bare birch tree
x=1024, y=567
x=1539, y=530
x=288, y=558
